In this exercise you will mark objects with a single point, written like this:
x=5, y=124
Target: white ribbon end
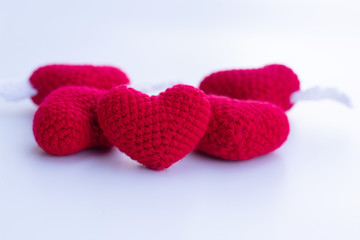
x=15, y=91
x=318, y=93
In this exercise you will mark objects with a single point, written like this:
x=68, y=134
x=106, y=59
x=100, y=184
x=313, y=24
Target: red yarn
x=66, y=121
x=156, y=131
x=48, y=78
x=243, y=129
x=273, y=83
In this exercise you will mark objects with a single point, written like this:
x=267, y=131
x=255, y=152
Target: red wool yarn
x=50, y=77
x=243, y=129
x=156, y=131
x=272, y=83
x=66, y=121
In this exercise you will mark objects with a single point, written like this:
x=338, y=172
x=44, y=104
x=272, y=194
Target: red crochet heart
x=243, y=129
x=66, y=121
x=156, y=131
x=50, y=77
x=272, y=83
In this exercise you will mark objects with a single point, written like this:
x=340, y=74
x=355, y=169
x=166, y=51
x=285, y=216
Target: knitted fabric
x=156, y=131
x=243, y=129
x=273, y=83
x=66, y=121
x=48, y=78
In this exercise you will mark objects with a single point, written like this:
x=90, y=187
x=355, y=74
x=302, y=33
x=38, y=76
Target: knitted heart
x=66, y=121
x=273, y=83
x=48, y=78
x=156, y=131
x=243, y=129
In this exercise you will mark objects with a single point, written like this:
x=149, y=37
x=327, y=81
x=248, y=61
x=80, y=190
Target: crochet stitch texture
x=50, y=77
x=66, y=121
x=272, y=83
x=156, y=131
x=243, y=129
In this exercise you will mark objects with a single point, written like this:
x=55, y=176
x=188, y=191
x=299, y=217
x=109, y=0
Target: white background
x=307, y=189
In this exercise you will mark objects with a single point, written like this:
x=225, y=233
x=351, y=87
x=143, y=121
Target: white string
x=318, y=93
x=157, y=88
x=16, y=90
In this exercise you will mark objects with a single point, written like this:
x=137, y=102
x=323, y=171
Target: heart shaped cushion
x=243, y=129
x=156, y=131
x=66, y=121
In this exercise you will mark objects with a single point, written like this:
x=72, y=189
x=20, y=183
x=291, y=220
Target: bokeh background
x=308, y=189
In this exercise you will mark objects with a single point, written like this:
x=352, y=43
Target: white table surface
x=307, y=189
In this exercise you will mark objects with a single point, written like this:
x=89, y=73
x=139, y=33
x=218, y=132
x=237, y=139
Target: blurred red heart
x=273, y=83
x=50, y=77
x=66, y=121
x=243, y=129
